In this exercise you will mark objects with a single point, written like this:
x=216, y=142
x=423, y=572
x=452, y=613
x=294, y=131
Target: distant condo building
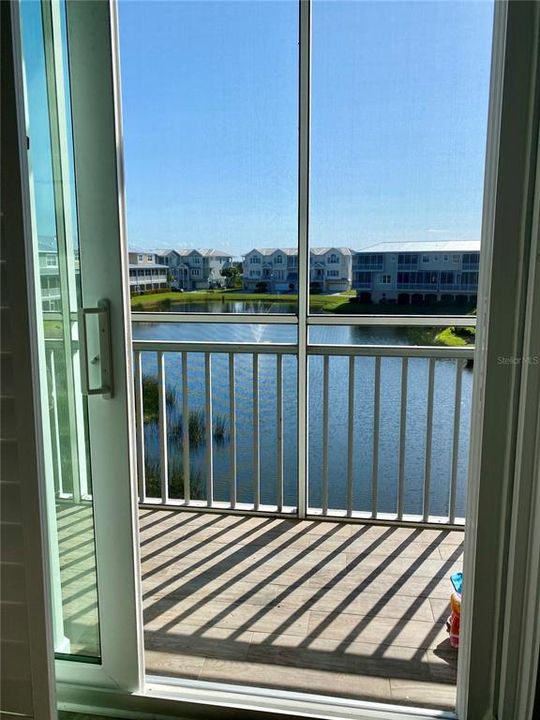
x=195, y=269
x=145, y=273
x=389, y=272
x=49, y=273
x=276, y=269
x=417, y=272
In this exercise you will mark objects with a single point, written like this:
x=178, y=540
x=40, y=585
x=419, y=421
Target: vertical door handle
x=105, y=350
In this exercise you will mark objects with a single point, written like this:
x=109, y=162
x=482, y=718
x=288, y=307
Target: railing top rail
x=205, y=346
x=423, y=351
x=208, y=317
x=319, y=319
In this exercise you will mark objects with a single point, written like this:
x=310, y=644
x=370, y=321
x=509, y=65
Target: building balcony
x=412, y=287
x=362, y=285
x=407, y=267
x=332, y=607
x=459, y=287
x=368, y=267
x=236, y=588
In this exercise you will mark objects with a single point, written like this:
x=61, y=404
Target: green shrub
x=176, y=481
x=150, y=390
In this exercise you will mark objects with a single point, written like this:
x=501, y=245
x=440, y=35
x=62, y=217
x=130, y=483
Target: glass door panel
x=55, y=240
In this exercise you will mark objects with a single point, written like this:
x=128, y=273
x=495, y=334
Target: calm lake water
x=443, y=416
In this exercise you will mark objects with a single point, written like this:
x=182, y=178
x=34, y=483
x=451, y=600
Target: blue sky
x=399, y=112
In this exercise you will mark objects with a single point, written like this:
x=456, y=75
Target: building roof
x=423, y=246
x=324, y=250
x=140, y=251
x=205, y=252
x=270, y=251
x=148, y=266
x=162, y=253
x=294, y=251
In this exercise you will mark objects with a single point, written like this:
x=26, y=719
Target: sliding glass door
x=67, y=56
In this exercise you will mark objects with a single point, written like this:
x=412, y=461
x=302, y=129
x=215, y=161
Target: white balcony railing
x=216, y=427
x=223, y=469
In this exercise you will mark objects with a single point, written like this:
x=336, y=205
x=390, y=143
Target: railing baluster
x=429, y=434
x=376, y=424
x=402, y=436
x=256, y=439
x=350, y=439
x=185, y=430
x=163, y=450
x=324, y=502
x=455, y=443
x=209, y=434
x=232, y=421
x=279, y=432
x=56, y=426
x=139, y=418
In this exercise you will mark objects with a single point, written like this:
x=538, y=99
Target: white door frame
x=96, y=114
x=502, y=481
x=103, y=263
x=488, y=681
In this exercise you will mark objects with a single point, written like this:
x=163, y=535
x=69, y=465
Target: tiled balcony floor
x=333, y=608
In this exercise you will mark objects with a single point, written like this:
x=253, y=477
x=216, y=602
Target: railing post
x=185, y=431
x=279, y=432
x=376, y=425
x=232, y=422
x=209, y=433
x=139, y=421
x=163, y=430
x=402, y=437
x=429, y=435
x=350, y=438
x=325, y=411
x=256, y=439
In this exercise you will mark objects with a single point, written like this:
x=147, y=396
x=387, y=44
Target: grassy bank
x=456, y=336
x=340, y=303
x=159, y=301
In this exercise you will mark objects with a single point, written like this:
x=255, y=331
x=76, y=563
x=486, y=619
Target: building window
x=51, y=261
x=363, y=278
x=372, y=261
x=255, y=260
x=333, y=258
x=447, y=278
x=407, y=259
x=425, y=258
x=332, y=273
x=445, y=258
x=471, y=260
x=455, y=258
x=386, y=279
x=279, y=259
x=195, y=272
x=140, y=258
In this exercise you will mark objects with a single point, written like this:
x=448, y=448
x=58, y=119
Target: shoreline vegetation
x=340, y=303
